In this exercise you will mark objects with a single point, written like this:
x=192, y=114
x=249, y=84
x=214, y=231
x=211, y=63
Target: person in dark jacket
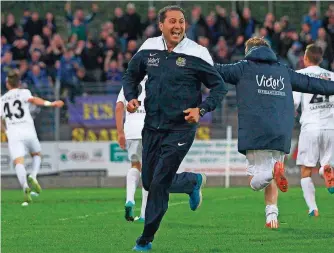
x=266, y=116
x=176, y=66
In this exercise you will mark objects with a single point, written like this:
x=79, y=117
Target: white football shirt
x=134, y=122
x=15, y=110
x=317, y=110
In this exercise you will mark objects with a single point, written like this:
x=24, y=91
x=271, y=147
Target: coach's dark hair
x=13, y=78
x=162, y=12
x=314, y=54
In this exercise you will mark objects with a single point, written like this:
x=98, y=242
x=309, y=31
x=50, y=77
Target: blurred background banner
x=93, y=111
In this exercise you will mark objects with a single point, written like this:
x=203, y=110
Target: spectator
x=295, y=54
x=78, y=29
x=36, y=59
x=132, y=47
x=313, y=20
x=110, y=46
x=34, y=25
x=263, y=33
x=50, y=22
x=23, y=69
x=113, y=74
x=212, y=29
x=198, y=25
x=20, y=46
x=276, y=37
x=222, y=24
x=79, y=22
x=5, y=47
x=91, y=57
x=152, y=22
x=67, y=73
x=269, y=24
x=53, y=55
x=325, y=43
x=26, y=17
x=328, y=23
x=7, y=64
x=47, y=36
x=247, y=22
x=119, y=22
x=38, y=80
x=238, y=49
x=8, y=29
x=305, y=36
x=133, y=28
x=37, y=44
x=234, y=30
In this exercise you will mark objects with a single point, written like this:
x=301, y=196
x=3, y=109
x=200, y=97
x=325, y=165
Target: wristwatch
x=202, y=111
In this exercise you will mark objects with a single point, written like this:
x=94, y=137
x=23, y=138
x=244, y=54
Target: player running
x=266, y=116
x=316, y=139
x=132, y=141
x=20, y=130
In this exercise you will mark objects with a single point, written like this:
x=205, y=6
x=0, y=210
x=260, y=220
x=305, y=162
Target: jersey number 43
x=16, y=108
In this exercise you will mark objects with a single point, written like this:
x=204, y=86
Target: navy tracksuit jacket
x=265, y=102
x=173, y=85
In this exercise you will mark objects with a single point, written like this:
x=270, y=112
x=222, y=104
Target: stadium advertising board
x=92, y=118
x=210, y=157
x=93, y=111
x=204, y=156
x=49, y=162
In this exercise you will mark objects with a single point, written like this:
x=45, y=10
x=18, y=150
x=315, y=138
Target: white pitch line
x=120, y=211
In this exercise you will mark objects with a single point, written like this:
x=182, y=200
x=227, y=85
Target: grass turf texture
x=230, y=220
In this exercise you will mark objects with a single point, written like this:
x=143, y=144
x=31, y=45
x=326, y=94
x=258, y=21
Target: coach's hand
x=132, y=105
x=121, y=140
x=192, y=115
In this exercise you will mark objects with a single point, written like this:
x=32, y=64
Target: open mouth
x=176, y=34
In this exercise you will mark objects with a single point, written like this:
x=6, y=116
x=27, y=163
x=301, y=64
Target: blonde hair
x=256, y=42
x=13, y=78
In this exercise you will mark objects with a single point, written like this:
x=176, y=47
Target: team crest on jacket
x=180, y=61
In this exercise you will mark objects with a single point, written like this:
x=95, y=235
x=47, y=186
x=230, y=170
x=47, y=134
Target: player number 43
x=17, y=106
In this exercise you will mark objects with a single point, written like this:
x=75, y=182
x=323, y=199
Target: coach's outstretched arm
x=213, y=81
x=135, y=72
x=307, y=84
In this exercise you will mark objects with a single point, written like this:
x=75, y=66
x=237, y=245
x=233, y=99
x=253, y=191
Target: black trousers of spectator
x=163, y=152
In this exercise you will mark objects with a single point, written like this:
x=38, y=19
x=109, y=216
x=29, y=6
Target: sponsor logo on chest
x=152, y=61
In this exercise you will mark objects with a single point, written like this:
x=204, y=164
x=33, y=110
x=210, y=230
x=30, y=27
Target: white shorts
x=262, y=160
x=19, y=148
x=314, y=146
x=135, y=149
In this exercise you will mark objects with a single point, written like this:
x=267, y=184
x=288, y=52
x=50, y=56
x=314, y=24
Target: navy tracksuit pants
x=163, y=152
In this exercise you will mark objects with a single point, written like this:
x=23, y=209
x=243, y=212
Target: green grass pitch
x=230, y=220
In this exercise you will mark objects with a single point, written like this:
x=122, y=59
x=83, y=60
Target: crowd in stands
x=42, y=55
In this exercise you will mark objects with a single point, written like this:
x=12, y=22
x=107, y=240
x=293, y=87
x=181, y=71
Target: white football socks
x=21, y=174
x=143, y=203
x=321, y=171
x=261, y=180
x=36, y=164
x=132, y=179
x=271, y=213
x=309, y=193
